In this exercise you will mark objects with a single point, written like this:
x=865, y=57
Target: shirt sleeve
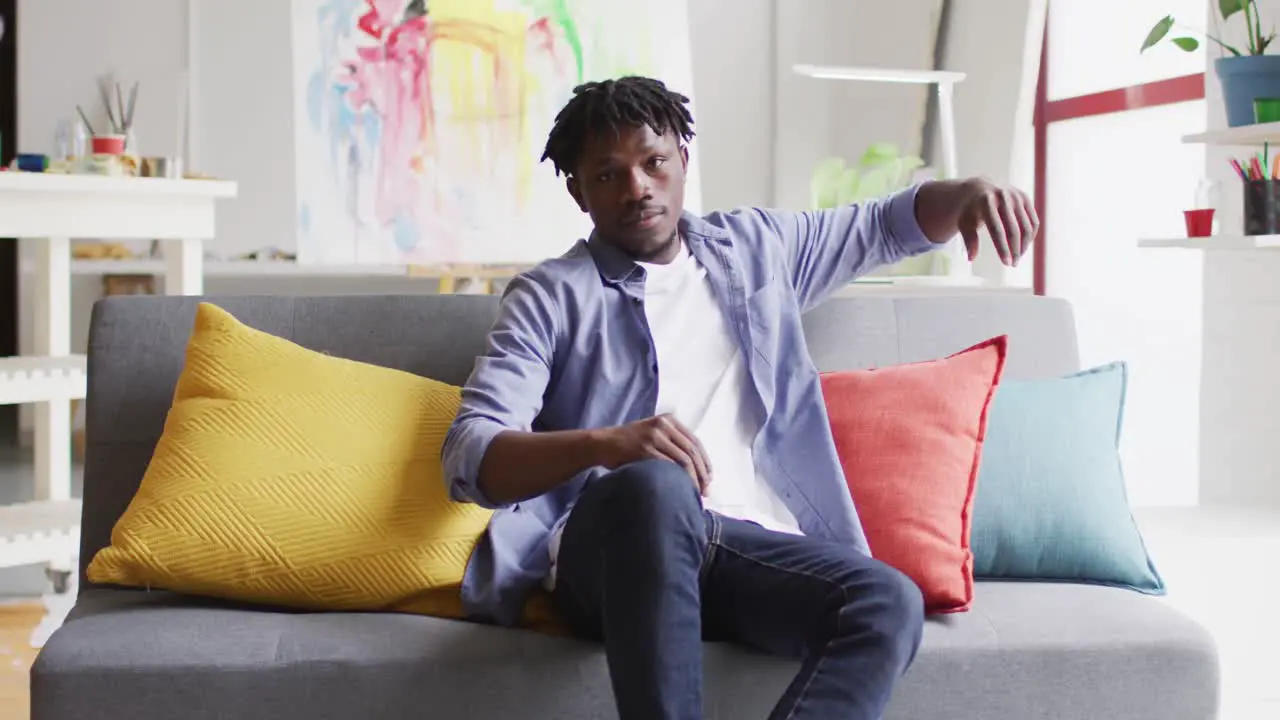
x=828, y=249
x=506, y=387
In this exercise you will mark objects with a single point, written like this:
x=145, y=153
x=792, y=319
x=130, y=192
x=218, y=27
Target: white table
x=54, y=209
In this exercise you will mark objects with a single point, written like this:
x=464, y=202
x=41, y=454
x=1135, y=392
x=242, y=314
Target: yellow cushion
x=289, y=477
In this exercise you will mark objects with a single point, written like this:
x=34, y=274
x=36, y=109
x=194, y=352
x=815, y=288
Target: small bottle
x=62, y=150
x=79, y=141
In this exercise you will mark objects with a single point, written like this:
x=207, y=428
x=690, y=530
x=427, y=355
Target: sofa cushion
x=1051, y=502
x=291, y=477
x=909, y=438
x=1025, y=651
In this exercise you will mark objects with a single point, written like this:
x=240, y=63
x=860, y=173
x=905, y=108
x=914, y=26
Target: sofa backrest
x=137, y=344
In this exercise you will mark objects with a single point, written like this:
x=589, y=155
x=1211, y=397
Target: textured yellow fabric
x=290, y=477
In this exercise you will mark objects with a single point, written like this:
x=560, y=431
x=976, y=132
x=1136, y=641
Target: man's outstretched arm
x=827, y=249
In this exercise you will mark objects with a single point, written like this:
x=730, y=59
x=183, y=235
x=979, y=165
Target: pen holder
x=1262, y=207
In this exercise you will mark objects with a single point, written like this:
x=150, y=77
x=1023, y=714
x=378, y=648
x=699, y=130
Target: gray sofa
x=1025, y=651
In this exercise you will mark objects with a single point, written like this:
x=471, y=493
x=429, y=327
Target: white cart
x=53, y=209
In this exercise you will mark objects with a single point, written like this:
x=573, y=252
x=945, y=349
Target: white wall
x=818, y=118
x=1239, y=450
x=761, y=128
x=733, y=78
x=997, y=43
x=242, y=64
x=1137, y=305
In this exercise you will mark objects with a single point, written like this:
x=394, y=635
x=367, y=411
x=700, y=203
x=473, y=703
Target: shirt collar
x=616, y=267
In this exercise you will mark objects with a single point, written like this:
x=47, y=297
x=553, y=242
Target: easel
x=481, y=277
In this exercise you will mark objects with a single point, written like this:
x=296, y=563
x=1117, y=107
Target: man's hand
x=1008, y=215
x=663, y=438
x=946, y=207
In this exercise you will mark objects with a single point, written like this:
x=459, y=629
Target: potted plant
x=1246, y=72
x=881, y=171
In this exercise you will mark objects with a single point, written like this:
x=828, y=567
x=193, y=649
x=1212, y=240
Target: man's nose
x=637, y=184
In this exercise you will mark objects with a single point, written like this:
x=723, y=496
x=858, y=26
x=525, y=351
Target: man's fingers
x=1026, y=222
x=969, y=233
x=995, y=226
x=667, y=446
x=1030, y=208
x=689, y=443
x=1014, y=239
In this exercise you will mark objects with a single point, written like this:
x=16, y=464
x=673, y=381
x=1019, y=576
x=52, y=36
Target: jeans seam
x=844, y=595
x=712, y=543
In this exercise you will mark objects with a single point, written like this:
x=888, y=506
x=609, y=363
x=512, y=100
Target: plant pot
x=1245, y=79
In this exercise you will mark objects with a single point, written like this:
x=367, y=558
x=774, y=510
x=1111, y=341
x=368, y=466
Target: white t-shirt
x=702, y=381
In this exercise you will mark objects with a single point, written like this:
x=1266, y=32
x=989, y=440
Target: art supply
x=108, y=144
x=119, y=113
x=162, y=167
x=133, y=100
x=104, y=91
x=85, y=118
x=1261, y=207
x=32, y=162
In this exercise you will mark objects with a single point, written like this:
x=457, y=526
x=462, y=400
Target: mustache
x=640, y=210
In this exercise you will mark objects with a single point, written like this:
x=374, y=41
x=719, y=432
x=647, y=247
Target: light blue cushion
x=1051, y=502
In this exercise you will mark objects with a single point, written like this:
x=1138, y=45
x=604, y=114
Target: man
x=648, y=422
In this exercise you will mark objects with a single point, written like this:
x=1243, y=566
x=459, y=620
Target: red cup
x=108, y=144
x=1199, y=222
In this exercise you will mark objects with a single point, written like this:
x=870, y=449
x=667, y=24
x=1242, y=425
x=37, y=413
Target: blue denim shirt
x=571, y=350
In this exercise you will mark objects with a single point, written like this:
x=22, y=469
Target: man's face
x=632, y=185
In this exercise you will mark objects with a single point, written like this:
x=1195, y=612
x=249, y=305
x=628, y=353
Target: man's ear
x=571, y=184
x=684, y=156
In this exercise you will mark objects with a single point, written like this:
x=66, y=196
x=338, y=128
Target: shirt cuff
x=463, y=453
x=902, y=227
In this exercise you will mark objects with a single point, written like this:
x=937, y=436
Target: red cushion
x=910, y=440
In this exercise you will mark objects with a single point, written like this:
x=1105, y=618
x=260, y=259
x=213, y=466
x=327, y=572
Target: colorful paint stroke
x=420, y=123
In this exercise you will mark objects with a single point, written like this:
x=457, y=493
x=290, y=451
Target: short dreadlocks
x=613, y=105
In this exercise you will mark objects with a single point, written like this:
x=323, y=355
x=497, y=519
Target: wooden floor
x=17, y=620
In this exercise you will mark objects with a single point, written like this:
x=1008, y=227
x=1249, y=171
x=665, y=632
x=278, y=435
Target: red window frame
x=1186, y=88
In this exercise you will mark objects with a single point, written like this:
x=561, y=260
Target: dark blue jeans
x=645, y=569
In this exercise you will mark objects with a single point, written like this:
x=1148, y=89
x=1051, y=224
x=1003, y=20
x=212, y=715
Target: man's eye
x=658, y=162
x=603, y=177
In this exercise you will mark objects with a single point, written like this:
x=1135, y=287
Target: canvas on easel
x=419, y=124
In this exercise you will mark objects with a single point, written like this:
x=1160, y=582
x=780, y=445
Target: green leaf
x=1157, y=33
x=878, y=153
x=1230, y=7
x=824, y=186
x=1187, y=43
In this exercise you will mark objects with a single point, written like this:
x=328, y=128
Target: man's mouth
x=643, y=220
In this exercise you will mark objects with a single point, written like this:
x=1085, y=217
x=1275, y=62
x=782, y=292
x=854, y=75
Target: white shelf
x=233, y=268
x=34, y=532
x=52, y=210
x=29, y=379
x=121, y=186
x=873, y=74
x=43, y=205
x=1245, y=136
x=1218, y=242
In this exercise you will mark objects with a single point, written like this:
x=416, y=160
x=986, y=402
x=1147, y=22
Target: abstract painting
x=419, y=124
